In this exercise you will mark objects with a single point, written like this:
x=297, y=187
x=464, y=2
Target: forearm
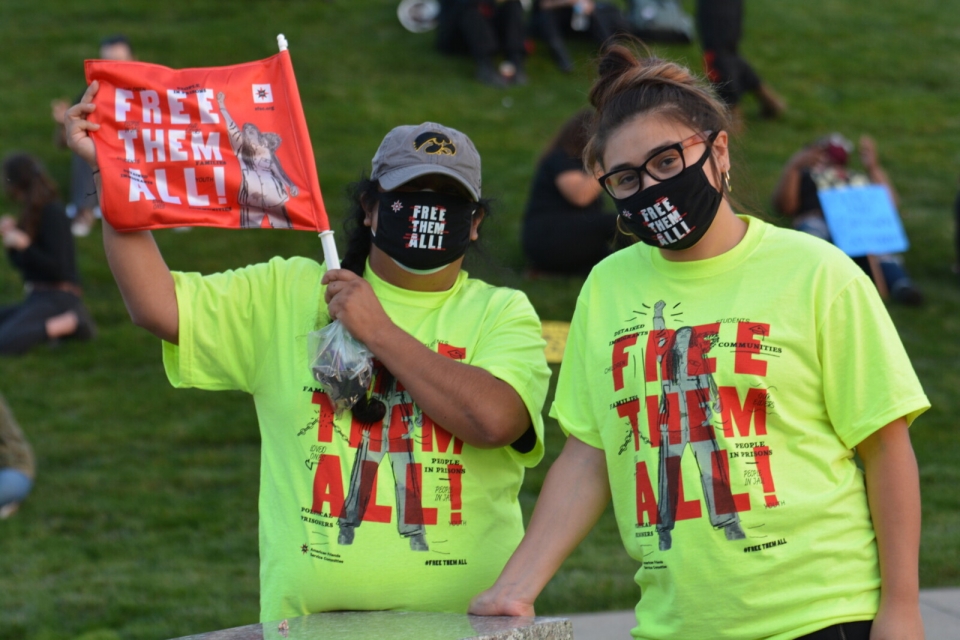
x=578, y=188
x=574, y=495
x=893, y=493
x=467, y=401
x=879, y=176
x=786, y=196
x=144, y=280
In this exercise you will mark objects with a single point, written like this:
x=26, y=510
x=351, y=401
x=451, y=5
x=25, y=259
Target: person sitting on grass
x=824, y=164
x=459, y=380
x=566, y=227
x=40, y=246
x=17, y=465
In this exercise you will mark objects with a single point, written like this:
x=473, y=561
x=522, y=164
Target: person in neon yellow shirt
x=460, y=379
x=765, y=350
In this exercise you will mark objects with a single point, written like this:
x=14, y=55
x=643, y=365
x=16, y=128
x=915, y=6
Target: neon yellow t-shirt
x=430, y=527
x=727, y=395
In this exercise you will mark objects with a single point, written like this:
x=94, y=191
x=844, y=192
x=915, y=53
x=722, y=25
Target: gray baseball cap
x=411, y=151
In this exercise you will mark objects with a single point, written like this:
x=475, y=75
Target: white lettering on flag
x=262, y=94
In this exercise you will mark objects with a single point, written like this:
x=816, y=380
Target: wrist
x=382, y=336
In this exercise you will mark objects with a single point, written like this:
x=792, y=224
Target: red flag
x=212, y=147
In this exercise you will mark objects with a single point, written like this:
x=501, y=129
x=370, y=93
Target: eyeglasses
x=664, y=164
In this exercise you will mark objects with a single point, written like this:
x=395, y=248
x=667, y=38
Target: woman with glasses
x=769, y=354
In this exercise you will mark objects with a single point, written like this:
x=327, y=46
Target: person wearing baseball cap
x=454, y=405
x=456, y=351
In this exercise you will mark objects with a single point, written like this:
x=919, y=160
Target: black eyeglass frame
x=705, y=137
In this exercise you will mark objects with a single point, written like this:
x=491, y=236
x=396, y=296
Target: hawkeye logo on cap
x=435, y=144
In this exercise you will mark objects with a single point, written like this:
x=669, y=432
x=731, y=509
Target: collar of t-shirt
x=425, y=299
x=711, y=266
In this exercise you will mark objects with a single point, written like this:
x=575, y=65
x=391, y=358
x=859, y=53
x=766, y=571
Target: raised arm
x=574, y=495
x=236, y=138
x=875, y=171
x=143, y=277
x=786, y=196
x=893, y=493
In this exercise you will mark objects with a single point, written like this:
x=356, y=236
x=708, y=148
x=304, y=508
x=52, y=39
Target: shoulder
x=633, y=260
x=481, y=295
x=805, y=250
x=806, y=265
x=282, y=274
x=283, y=269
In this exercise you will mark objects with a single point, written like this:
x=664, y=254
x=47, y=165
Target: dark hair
x=367, y=191
x=573, y=136
x=117, y=38
x=26, y=174
x=358, y=234
x=630, y=85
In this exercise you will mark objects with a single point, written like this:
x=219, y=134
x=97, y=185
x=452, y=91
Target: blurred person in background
x=720, y=25
x=17, y=465
x=554, y=20
x=39, y=245
x=485, y=29
x=82, y=207
x=824, y=164
x=566, y=228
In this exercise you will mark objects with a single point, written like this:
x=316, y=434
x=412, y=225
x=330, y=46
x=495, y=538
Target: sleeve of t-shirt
x=573, y=402
x=512, y=349
x=226, y=321
x=867, y=376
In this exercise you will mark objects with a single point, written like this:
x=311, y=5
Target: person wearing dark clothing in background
x=483, y=29
x=822, y=165
x=552, y=20
x=82, y=205
x=40, y=246
x=720, y=25
x=565, y=226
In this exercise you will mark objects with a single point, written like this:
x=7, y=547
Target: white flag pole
x=330, y=257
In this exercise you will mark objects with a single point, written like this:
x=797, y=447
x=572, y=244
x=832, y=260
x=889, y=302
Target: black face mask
x=673, y=214
x=423, y=230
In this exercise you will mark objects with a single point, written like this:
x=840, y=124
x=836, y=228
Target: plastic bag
x=341, y=363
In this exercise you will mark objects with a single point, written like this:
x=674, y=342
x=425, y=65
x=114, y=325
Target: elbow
x=501, y=432
x=154, y=325
x=489, y=440
x=783, y=208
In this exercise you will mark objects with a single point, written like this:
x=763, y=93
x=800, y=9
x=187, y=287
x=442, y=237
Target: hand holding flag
x=172, y=154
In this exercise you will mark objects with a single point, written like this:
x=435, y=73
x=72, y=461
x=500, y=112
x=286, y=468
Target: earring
x=726, y=181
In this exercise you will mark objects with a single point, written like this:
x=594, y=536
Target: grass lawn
x=143, y=521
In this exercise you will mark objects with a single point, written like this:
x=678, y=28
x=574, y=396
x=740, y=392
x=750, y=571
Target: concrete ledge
x=398, y=625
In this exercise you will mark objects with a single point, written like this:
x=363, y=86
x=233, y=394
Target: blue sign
x=863, y=220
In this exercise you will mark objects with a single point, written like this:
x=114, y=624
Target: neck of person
x=392, y=273
x=726, y=232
